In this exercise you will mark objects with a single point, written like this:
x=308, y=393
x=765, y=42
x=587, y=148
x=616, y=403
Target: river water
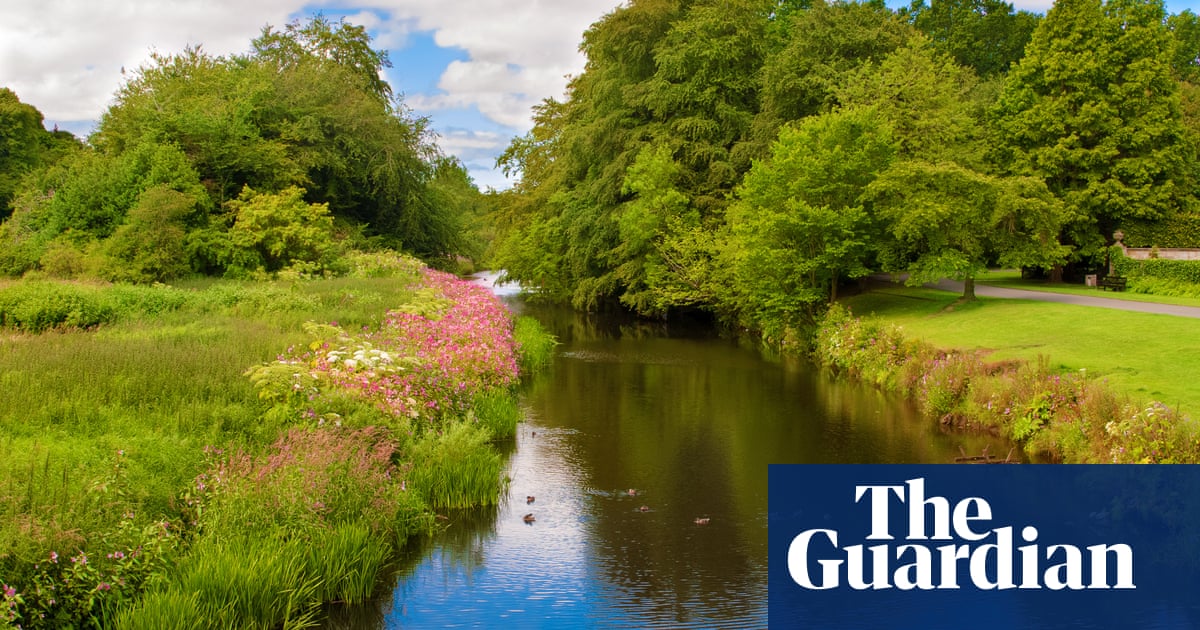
x=636, y=431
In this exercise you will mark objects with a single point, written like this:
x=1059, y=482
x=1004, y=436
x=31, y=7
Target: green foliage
x=798, y=226
x=1185, y=30
x=306, y=109
x=456, y=468
x=1175, y=230
x=150, y=245
x=1093, y=110
x=24, y=145
x=39, y=306
x=926, y=99
x=272, y=231
x=984, y=35
x=1159, y=276
x=826, y=43
x=948, y=221
x=535, y=345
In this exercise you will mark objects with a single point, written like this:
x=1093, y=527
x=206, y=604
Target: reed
x=348, y=561
x=535, y=345
x=251, y=583
x=457, y=468
x=163, y=610
x=497, y=411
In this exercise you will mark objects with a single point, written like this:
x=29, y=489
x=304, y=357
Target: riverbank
x=213, y=454
x=1072, y=383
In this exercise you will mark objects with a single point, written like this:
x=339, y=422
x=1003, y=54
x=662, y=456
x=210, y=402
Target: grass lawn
x=1011, y=279
x=1151, y=357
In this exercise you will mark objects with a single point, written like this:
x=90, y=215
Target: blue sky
x=473, y=67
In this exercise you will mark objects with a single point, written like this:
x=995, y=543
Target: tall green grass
x=498, y=412
x=535, y=344
x=239, y=583
x=152, y=381
x=456, y=468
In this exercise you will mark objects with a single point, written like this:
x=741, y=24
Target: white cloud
x=520, y=51
x=65, y=56
x=1034, y=6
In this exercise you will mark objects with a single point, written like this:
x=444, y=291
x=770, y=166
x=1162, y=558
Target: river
x=645, y=450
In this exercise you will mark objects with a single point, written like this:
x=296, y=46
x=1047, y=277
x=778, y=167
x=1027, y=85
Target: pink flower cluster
x=447, y=360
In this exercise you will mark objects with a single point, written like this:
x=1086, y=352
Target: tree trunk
x=969, y=288
x=833, y=289
x=1056, y=273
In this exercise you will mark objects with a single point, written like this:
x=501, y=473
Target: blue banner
x=984, y=546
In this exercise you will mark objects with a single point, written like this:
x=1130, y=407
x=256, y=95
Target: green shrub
x=36, y=306
x=1159, y=268
x=149, y=246
x=1180, y=230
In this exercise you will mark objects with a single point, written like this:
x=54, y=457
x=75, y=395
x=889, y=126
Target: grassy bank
x=1078, y=383
x=153, y=440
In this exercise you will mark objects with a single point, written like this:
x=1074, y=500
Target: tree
x=927, y=100
x=345, y=46
x=151, y=245
x=25, y=145
x=1093, y=111
x=271, y=231
x=1185, y=29
x=946, y=221
x=704, y=94
x=798, y=225
x=826, y=42
x=984, y=35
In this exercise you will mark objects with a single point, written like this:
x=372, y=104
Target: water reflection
x=690, y=421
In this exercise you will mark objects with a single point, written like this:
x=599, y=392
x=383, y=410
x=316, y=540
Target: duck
x=528, y=518
x=529, y=499
x=701, y=520
x=631, y=492
x=644, y=508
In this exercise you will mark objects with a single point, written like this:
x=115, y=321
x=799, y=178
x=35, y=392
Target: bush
x=35, y=306
x=149, y=246
x=272, y=231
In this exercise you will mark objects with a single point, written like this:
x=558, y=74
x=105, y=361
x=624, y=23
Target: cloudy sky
x=474, y=67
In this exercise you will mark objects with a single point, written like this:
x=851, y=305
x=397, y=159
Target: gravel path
x=1078, y=300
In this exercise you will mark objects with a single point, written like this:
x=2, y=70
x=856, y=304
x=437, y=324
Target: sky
x=475, y=68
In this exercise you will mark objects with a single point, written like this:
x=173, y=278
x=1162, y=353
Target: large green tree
x=946, y=221
x=799, y=225
x=824, y=44
x=25, y=145
x=1093, y=111
x=987, y=36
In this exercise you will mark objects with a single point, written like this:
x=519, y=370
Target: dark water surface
x=688, y=420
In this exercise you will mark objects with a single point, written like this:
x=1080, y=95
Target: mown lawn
x=1011, y=279
x=1151, y=357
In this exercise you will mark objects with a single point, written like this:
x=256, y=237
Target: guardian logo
x=978, y=546
x=969, y=548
